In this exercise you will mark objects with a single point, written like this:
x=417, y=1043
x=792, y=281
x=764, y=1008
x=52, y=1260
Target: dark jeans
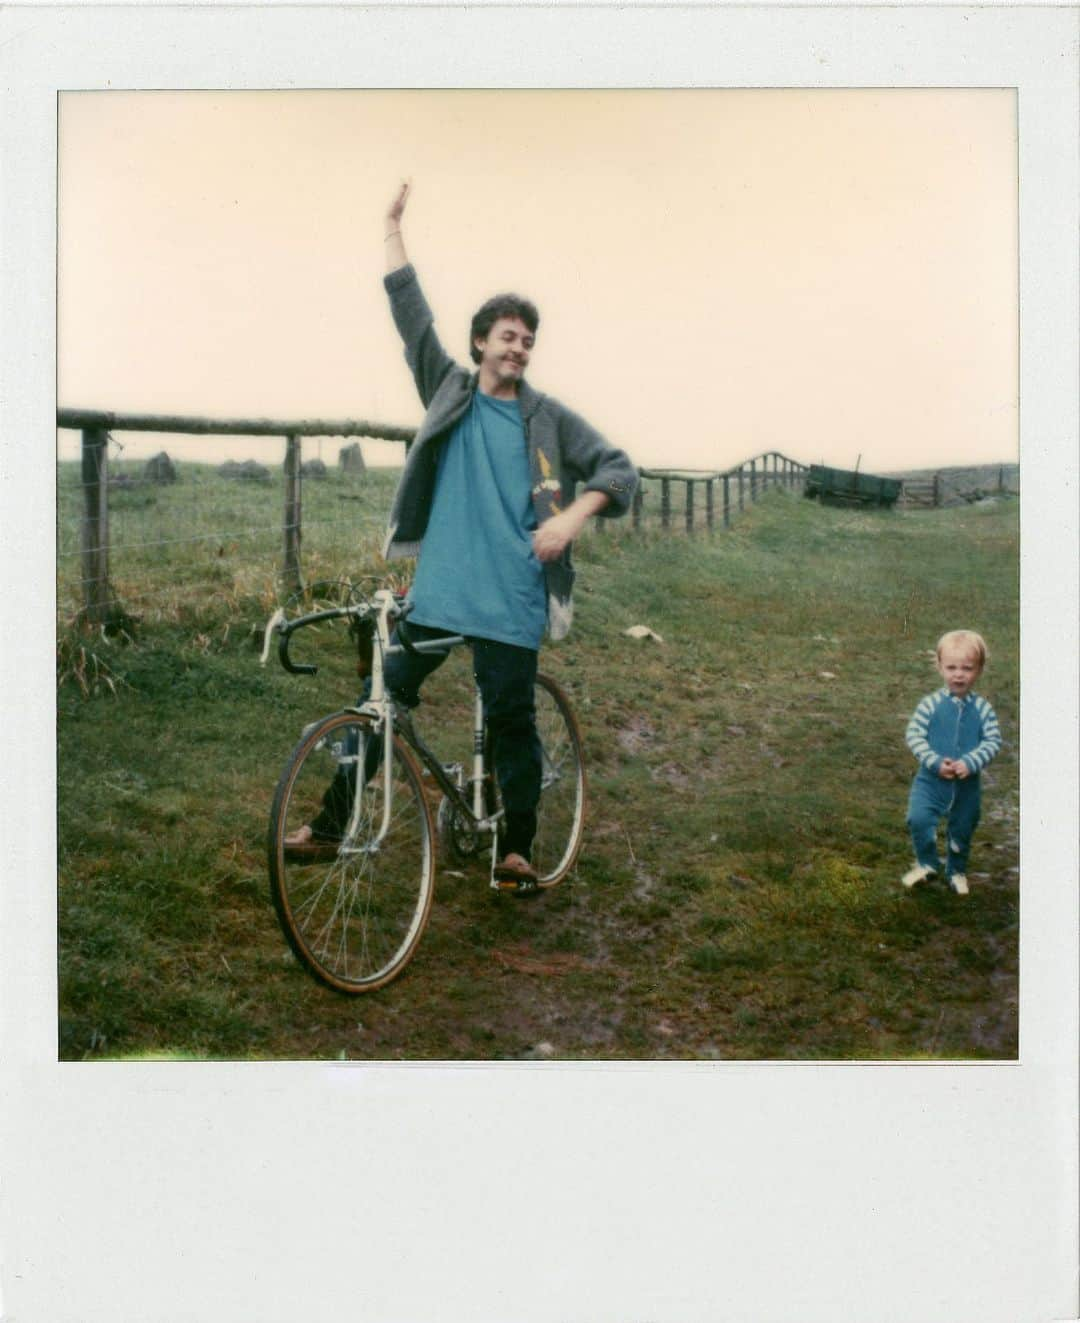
x=506, y=676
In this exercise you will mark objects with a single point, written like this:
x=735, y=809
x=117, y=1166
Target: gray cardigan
x=563, y=449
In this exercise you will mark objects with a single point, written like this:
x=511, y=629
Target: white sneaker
x=958, y=882
x=917, y=874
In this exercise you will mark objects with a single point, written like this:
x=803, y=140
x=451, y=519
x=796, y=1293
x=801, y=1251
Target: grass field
x=737, y=896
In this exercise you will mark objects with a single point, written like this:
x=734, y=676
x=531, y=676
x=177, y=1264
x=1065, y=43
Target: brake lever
x=271, y=627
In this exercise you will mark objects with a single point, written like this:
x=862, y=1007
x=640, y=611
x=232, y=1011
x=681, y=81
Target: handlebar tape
x=294, y=668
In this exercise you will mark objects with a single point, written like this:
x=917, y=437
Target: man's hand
x=395, y=245
x=397, y=208
x=555, y=534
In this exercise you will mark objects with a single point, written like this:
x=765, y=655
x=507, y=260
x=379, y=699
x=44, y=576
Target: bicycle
x=353, y=906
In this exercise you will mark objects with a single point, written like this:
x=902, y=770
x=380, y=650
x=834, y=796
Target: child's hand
x=947, y=770
x=960, y=769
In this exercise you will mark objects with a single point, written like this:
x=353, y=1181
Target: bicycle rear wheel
x=353, y=906
x=560, y=824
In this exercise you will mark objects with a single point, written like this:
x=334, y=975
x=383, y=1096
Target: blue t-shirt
x=477, y=574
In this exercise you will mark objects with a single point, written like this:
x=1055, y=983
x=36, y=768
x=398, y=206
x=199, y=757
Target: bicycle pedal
x=516, y=886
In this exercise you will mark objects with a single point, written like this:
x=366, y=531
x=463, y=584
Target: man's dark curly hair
x=502, y=305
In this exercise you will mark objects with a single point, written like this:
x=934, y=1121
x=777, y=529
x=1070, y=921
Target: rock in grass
x=351, y=459
x=160, y=468
x=248, y=471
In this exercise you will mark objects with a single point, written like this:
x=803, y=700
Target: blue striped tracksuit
x=965, y=729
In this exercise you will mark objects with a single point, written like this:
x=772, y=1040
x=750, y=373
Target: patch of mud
x=522, y=960
x=771, y=756
x=994, y=1028
x=637, y=734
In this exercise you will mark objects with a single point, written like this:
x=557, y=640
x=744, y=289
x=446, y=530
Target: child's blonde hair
x=963, y=638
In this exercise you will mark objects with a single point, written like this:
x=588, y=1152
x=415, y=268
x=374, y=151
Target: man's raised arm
x=395, y=244
x=427, y=359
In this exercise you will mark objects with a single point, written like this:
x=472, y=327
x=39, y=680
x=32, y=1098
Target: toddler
x=953, y=734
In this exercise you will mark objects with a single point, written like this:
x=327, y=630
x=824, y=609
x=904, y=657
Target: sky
x=830, y=274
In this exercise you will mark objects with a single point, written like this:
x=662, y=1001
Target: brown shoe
x=515, y=873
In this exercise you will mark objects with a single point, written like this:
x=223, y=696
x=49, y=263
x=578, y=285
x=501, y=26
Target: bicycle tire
x=352, y=916
x=560, y=816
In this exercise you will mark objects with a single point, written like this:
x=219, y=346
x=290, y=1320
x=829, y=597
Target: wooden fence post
x=290, y=570
x=639, y=501
x=99, y=605
x=727, y=500
x=741, y=498
x=753, y=481
x=937, y=489
x=689, y=505
x=709, y=505
x=665, y=502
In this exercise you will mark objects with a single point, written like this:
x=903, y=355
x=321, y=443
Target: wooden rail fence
x=726, y=491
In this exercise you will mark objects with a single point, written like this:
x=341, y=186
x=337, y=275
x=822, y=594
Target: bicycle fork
x=361, y=789
x=382, y=710
x=479, y=807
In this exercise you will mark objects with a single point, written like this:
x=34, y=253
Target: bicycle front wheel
x=560, y=822
x=353, y=903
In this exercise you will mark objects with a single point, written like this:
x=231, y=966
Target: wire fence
x=207, y=536
x=158, y=539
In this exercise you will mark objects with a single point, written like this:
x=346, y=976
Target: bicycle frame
x=386, y=717
x=353, y=892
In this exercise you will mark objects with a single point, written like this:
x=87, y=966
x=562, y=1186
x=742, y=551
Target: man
x=485, y=502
